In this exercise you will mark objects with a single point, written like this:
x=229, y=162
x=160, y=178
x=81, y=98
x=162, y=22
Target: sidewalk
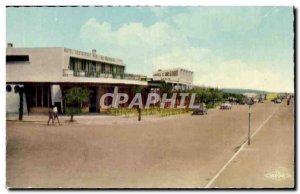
x=88, y=116
x=91, y=119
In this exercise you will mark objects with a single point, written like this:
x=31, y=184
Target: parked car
x=278, y=101
x=225, y=106
x=202, y=110
x=260, y=100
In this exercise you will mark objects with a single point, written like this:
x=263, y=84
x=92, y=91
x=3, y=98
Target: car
x=260, y=100
x=278, y=101
x=225, y=106
x=202, y=110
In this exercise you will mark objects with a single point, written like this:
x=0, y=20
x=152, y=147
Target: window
x=72, y=64
x=17, y=58
x=110, y=69
x=102, y=68
x=45, y=96
x=83, y=65
x=38, y=95
x=93, y=66
x=120, y=70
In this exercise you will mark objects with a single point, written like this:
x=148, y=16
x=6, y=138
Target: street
x=180, y=151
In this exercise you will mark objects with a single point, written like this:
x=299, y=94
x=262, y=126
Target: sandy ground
x=180, y=151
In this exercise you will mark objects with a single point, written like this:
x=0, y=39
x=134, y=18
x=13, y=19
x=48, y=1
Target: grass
x=162, y=112
x=150, y=111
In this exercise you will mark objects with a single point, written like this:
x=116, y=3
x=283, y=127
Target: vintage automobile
x=278, y=101
x=202, y=110
x=225, y=106
x=260, y=100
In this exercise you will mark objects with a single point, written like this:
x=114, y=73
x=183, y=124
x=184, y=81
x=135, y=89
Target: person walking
x=51, y=115
x=55, y=115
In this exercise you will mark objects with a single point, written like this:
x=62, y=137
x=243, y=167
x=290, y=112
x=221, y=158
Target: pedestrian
x=51, y=115
x=55, y=115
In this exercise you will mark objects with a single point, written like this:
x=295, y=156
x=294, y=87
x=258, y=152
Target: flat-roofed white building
x=46, y=73
x=178, y=77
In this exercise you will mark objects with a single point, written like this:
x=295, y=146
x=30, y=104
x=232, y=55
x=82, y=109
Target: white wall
x=13, y=102
x=183, y=77
x=45, y=65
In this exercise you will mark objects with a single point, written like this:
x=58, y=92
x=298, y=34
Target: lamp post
x=249, y=102
x=249, y=137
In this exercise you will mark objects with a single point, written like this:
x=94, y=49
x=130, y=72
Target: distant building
x=178, y=77
x=250, y=95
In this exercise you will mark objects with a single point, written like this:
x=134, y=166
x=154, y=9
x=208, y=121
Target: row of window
x=170, y=73
x=92, y=66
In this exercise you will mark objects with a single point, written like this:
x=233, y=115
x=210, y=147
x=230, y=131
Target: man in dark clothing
x=51, y=116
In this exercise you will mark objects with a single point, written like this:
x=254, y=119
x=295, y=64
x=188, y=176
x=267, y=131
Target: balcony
x=92, y=74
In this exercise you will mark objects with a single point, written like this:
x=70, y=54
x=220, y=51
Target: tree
x=216, y=94
x=74, y=98
x=202, y=94
x=165, y=88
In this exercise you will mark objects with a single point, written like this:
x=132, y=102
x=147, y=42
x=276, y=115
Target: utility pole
x=249, y=125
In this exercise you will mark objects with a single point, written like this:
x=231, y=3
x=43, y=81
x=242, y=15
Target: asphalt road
x=180, y=151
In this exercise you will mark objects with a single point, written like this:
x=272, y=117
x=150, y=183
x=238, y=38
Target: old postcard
x=150, y=97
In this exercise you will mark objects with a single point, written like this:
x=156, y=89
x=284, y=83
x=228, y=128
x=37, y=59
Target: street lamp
x=249, y=102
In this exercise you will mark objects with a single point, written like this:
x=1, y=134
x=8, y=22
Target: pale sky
x=226, y=47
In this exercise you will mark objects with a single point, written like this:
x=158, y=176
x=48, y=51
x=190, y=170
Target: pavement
x=180, y=151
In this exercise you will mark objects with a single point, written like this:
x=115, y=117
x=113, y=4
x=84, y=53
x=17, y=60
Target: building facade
x=46, y=74
x=178, y=77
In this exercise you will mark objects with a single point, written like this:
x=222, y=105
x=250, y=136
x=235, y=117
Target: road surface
x=180, y=151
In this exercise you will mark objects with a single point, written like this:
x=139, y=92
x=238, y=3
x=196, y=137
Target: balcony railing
x=92, y=74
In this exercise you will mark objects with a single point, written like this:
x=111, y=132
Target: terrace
x=91, y=68
x=93, y=74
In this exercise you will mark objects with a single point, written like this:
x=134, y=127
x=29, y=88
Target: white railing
x=72, y=73
x=68, y=72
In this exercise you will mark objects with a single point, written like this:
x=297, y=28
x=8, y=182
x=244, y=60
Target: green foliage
x=207, y=95
x=73, y=110
x=239, y=97
x=162, y=112
x=213, y=95
x=136, y=89
x=165, y=88
x=74, y=99
x=77, y=95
